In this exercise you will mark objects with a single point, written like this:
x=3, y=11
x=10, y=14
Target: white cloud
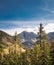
x=49, y=10
x=19, y=30
x=49, y=27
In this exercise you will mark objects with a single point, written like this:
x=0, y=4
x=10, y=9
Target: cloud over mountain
x=48, y=28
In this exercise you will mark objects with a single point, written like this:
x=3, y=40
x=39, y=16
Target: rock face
x=27, y=38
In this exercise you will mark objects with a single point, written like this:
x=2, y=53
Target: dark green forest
x=41, y=53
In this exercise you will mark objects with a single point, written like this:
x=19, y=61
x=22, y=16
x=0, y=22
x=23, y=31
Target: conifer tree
x=18, y=44
x=35, y=53
x=44, y=47
x=15, y=42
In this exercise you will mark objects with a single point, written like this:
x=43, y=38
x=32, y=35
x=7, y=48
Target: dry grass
x=12, y=48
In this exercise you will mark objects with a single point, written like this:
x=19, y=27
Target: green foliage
x=52, y=53
x=38, y=55
x=44, y=47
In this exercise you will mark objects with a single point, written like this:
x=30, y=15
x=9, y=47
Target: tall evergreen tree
x=18, y=44
x=15, y=42
x=44, y=47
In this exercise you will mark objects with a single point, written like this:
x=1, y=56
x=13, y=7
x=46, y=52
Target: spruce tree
x=15, y=42
x=44, y=47
x=35, y=53
x=18, y=53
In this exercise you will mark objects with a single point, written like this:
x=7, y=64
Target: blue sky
x=27, y=12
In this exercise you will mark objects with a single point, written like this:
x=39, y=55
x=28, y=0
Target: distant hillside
x=27, y=38
x=6, y=42
x=5, y=39
x=50, y=36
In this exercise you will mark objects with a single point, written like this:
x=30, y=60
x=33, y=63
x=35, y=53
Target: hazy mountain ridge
x=27, y=38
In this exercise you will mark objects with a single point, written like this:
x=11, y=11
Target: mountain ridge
x=27, y=38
